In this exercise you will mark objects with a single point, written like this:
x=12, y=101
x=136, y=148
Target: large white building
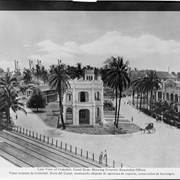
x=170, y=90
x=83, y=102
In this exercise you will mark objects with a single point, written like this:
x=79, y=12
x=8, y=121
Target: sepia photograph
x=87, y=91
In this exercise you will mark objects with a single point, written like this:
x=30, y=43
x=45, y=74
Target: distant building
x=50, y=94
x=164, y=76
x=170, y=90
x=83, y=102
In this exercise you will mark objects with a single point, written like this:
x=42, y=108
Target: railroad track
x=24, y=151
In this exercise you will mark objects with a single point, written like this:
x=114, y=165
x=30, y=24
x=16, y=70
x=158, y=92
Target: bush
x=147, y=111
x=108, y=106
x=37, y=100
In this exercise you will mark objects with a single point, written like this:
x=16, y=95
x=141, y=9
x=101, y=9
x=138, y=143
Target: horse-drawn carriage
x=149, y=128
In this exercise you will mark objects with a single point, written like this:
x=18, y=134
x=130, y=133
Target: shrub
x=37, y=100
x=108, y=106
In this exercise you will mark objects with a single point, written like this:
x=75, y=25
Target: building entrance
x=84, y=116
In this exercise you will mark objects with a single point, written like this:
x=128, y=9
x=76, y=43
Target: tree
x=136, y=75
x=79, y=70
x=23, y=88
x=149, y=84
x=59, y=80
x=178, y=76
x=27, y=76
x=116, y=77
x=44, y=74
x=173, y=73
x=1, y=70
x=37, y=72
x=37, y=99
x=8, y=96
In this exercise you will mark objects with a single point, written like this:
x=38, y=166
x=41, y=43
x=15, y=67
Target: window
x=83, y=97
x=69, y=96
x=98, y=112
x=69, y=113
x=159, y=95
x=167, y=96
x=172, y=97
x=97, y=96
x=176, y=98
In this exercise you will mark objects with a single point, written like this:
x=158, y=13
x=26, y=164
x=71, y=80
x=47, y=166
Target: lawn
x=50, y=116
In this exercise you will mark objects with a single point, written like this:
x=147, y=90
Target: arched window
x=69, y=96
x=83, y=96
x=97, y=96
x=172, y=97
x=176, y=98
x=167, y=96
x=69, y=114
x=159, y=95
x=98, y=112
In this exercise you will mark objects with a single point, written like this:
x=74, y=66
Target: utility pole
x=59, y=62
x=15, y=64
x=29, y=64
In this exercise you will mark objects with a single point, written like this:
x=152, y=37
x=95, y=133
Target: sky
x=148, y=40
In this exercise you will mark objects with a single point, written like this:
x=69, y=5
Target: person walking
x=132, y=118
x=100, y=157
x=105, y=157
x=16, y=116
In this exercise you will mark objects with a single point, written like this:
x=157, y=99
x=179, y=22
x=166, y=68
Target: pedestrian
x=105, y=157
x=100, y=157
x=132, y=118
x=16, y=116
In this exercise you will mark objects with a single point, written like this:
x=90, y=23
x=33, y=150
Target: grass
x=50, y=116
x=106, y=129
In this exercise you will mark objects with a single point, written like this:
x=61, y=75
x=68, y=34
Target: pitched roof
x=165, y=75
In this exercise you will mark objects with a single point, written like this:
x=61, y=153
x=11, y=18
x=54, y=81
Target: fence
x=74, y=150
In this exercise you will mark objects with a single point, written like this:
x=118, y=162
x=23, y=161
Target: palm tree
x=37, y=72
x=168, y=111
x=44, y=74
x=27, y=76
x=138, y=87
x=160, y=107
x=7, y=81
x=117, y=78
x=9, y=97
x=149, y=84
x=79, y=70
x=59, y=80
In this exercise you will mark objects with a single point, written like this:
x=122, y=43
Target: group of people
x=103, y=157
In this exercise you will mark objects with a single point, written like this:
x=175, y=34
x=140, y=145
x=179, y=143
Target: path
x=160, y=149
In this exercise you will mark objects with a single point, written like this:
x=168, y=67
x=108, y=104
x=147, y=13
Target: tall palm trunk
x=115, y=121
x=118, y=109
x=60, y=107
x=144, y=98
x=140, y=101
x=147, y=100
x=8, y=116
x=151, y=99
x=137, y=100
x=155, y=96
x=133, y=97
